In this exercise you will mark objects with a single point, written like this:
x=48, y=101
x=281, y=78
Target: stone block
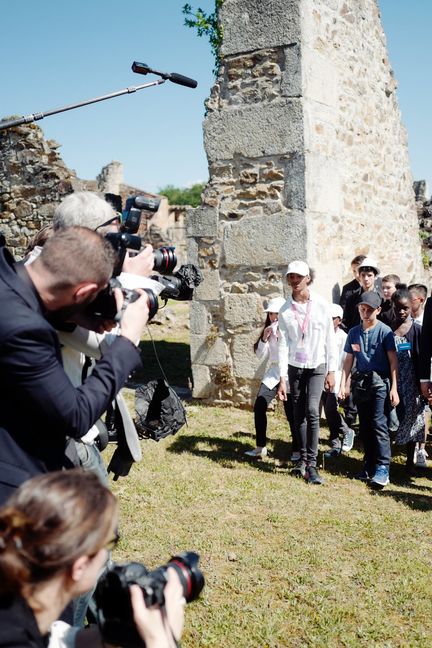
x=240, y=309
x=192, y=250
x=205, y=354
x=209, y=289
x=245, y=363
x=323, y=192
x=201, y=221
x=259, y=24
x=266, y=241
x=292, y=76
x=294, y=186
x=320, y=78
x=199, y=320
x=253, y=131
x=201, y=381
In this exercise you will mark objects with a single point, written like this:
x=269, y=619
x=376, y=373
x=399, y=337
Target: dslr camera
x=179, y=285
x=114, y=608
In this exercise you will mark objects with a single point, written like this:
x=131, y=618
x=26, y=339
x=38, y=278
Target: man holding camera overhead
x=39, y=406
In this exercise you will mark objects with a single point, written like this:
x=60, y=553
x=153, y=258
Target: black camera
x=178, y=286
x=115, y=615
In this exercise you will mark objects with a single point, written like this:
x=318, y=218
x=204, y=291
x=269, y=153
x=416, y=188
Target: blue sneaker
x=381, y=477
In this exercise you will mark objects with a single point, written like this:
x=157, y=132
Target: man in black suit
x=39, y=407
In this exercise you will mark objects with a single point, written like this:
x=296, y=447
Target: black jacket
x=39, y=407
x=18, y=627
x=426, y=342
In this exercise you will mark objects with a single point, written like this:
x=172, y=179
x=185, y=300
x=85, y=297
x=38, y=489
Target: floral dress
x=411, y=410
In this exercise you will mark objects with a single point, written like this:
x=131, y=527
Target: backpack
x=159, y=411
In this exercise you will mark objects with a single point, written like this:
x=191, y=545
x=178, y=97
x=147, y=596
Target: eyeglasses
x=116, y=220
x=112, y=544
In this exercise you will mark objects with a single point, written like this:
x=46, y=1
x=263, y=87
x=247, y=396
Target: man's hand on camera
x=134, y=317
x=156, y=629
x=141, y=264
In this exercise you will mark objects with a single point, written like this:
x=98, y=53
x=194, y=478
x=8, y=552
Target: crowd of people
x=366, y=359
x=57, y=526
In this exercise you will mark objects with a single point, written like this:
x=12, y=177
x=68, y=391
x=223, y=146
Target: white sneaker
x=295, y=457
x=257, y=453
x=420, y=460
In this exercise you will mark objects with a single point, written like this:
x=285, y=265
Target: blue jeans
x=306, y=388
x=91, y=459
x=373, y=425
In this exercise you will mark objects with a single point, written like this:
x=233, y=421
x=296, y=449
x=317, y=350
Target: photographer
x=55, y=534
x=87, y=209
x=39, y=407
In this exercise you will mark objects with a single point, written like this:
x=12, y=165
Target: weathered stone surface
x=209, y=289
x=201, y=381
x=205, y=352
x=245, y=363
x=254, y=131
x=199, y=318
x=268, y=241
x=202, y=221
x=242, y=309
x=255, y=24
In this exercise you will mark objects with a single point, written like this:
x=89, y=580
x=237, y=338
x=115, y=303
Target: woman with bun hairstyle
x=267, y=347
x=55, y=534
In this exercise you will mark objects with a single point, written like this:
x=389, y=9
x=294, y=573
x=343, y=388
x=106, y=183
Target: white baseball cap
x=336, y=310
x=298, y=267
x=368, y=262
x=274, y=305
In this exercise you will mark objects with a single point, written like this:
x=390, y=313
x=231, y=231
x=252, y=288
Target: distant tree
x=183, y=196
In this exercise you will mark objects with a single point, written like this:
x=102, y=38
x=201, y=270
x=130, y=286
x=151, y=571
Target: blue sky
x=55, y=53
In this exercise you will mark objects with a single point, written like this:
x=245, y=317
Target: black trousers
x=263, y=400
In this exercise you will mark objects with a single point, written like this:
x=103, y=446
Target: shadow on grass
x=415, y=501
x=224, y=451
x=174, y=358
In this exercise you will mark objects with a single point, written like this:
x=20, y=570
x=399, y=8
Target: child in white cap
x=267, y=346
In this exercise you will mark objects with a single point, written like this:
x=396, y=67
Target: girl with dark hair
x=55, y=534
x=267, y=347
x=411, y=409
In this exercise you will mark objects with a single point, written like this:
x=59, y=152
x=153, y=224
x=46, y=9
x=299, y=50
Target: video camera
x=178, y=286
x=114, y=609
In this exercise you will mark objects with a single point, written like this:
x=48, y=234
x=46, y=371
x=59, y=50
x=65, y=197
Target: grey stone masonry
x=307, y=159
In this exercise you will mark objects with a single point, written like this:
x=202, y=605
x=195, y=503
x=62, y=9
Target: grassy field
x=286, y=564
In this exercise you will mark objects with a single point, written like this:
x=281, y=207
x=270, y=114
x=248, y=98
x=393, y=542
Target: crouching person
x=374, y=386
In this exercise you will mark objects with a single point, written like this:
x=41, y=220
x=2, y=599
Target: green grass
x=286, y=564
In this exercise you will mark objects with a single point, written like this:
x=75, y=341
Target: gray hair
x=83, y=208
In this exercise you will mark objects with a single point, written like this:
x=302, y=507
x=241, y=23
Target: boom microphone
x=143, y=68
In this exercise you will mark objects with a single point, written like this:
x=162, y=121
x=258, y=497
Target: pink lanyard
x=302, y=325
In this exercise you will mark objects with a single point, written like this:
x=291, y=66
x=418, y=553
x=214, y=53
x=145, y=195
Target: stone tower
x=308, y=159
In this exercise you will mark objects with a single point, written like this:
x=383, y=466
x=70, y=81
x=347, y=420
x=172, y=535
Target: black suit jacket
x=39, y=407
x=426, y=342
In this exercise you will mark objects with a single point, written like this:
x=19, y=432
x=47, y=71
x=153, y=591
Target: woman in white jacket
x=267, y=346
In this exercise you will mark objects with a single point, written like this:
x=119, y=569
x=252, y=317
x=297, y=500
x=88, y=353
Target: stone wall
x=307, y=159
x=33, y=179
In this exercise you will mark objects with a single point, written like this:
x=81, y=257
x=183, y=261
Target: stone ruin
x=307, y=159
x=34, y=179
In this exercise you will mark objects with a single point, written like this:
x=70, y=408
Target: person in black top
x=352, y=287
x=368, y=273
x=55, y=535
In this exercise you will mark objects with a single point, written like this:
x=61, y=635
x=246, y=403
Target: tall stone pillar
x=307, y=159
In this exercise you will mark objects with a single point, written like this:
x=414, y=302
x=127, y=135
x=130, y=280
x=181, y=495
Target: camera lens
x=190, y=575
x=165, y=260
